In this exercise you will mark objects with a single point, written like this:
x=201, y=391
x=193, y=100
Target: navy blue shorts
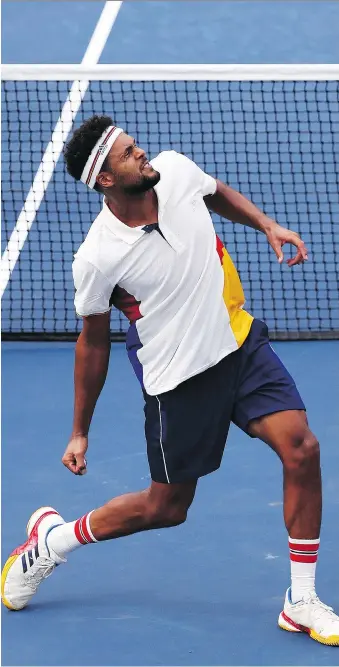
x=186, y=428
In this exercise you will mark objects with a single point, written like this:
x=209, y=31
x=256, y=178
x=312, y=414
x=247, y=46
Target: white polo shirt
x=180, y=291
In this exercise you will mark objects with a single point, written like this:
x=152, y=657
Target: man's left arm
x=234, y=206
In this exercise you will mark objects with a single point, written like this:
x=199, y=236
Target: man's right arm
x=92, y=302
x=91, y=364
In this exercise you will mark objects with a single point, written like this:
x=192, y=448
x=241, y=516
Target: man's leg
x=50, y=539
x=268, y=406
x=186, y=430
x=159, y=506
x=288, y=434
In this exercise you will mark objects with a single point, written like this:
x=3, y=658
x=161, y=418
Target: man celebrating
x=201, y=359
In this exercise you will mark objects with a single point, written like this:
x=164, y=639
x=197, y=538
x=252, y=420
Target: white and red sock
x=304, y=555
x=69, y=536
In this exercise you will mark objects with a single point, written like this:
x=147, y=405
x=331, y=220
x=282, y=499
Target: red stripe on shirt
x=127, y=303
x=220, y=249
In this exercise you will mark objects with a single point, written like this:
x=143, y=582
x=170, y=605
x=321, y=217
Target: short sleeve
x=93, y=290
x=205, y=183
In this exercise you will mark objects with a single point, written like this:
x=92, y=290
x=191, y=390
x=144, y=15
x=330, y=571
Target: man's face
x=129, y=169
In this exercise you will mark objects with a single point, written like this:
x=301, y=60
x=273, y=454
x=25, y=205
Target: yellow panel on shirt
x=234, y=297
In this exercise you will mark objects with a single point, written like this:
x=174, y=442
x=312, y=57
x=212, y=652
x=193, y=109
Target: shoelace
x=322, y=609
x=42, y=568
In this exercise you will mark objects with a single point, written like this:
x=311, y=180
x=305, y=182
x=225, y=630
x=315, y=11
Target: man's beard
x=146, y=183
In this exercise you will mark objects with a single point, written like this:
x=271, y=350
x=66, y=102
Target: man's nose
x=139, y=152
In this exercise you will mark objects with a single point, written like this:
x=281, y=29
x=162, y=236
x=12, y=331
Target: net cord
x=295, y=72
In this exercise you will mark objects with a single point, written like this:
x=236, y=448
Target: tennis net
x=271, y=132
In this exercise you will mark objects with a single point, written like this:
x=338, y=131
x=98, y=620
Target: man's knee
x=303, y=451
x=164, y=513
x=168, y=507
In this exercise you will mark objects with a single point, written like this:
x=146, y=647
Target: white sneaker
x=312, y=616
x=32, y=562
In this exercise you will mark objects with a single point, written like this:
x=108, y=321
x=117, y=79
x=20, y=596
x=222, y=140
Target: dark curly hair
x=79, y=147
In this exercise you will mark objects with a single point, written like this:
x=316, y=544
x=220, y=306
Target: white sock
x=69, y=536
x=303, y=554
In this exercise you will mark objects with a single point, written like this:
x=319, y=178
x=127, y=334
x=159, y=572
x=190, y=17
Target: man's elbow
x=214, y=201
x=96, y=330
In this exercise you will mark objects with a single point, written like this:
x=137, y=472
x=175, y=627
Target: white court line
x=56, y=144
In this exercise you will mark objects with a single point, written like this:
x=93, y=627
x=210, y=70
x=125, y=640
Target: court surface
x=205, y=593
x=216, y=31
x=208, y=592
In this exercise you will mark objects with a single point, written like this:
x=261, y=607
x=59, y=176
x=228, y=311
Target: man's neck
x=134, y=210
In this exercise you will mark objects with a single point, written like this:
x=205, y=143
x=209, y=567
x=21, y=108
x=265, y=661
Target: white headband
x=98, y=154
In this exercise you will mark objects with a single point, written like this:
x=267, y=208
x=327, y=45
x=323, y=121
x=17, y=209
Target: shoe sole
x=286, y=623
x=7, y=567
x=13, y=557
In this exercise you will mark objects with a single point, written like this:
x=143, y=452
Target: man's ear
x=105, y=179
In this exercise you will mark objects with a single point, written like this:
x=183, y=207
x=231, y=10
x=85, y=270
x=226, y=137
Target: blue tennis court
x=208, y=592
x=178, y=31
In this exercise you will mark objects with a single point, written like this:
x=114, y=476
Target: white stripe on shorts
x=161, y=443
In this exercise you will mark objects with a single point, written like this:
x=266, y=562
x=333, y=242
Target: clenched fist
x=74, y=456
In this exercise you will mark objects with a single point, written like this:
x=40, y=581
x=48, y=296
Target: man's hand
x=277, y=236
x=74, y=456
x=234, y=206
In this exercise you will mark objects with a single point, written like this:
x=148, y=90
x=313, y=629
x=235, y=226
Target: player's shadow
x=140, y=603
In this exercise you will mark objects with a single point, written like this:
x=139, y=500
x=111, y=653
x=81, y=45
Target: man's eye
x=129, y=150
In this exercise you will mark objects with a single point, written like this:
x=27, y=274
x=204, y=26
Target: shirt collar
x=132, y=234
x=127, y=234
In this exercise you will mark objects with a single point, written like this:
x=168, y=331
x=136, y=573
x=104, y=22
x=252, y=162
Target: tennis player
x=201, y=359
